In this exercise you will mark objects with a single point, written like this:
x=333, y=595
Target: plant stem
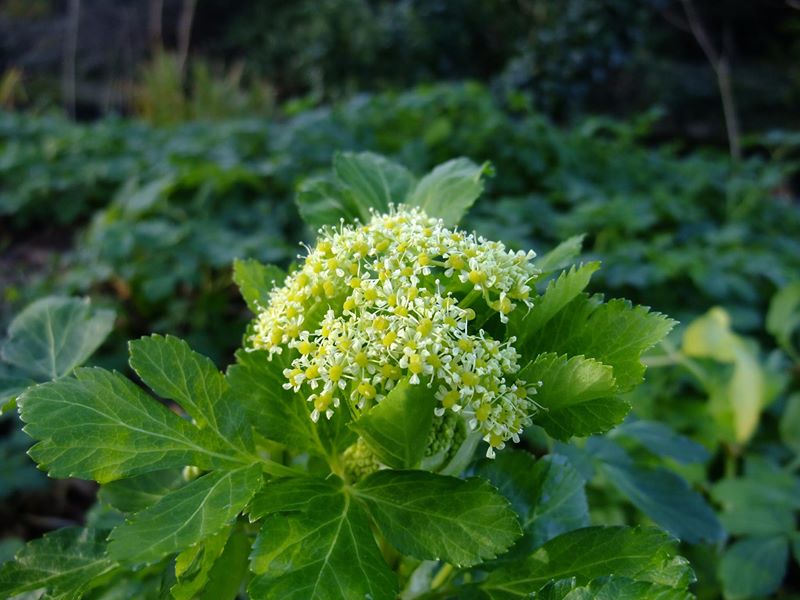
x=442, y=576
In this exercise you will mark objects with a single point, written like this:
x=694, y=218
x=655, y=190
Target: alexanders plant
x=342, y=455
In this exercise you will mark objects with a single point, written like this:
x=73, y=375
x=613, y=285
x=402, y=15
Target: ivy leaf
x=396, y=430
x=576, y=396
x=436, y=517
x=193, y=565
x=67, y=562
x=547, y=494
x=559, y=293
x=255, y=281
x=99, y=425
x=322, y=548
x=587, y=554
x=54, y=335
x=450, y=189
x=137, y=493
x=615, y=333
x=374, y=181
x=753, y=567
x=186, y=516
x=562, y=255
x=668, y=499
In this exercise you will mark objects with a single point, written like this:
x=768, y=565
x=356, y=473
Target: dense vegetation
x=147, y=221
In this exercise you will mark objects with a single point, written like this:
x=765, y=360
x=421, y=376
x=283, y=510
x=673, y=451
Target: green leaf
x=576, y=395
x=559, y=293
x=612, y=588
x=666, y=498
x=99, y=425
x=547, y=494
x=255, y=281
x=753, y=567
x=562, y=255
x=587, y=554
x=322, y=548
x=374, y=181
x=790, y=423
x=320, y=202
x=661, y=440
x=759, y=504
x=615, y=333
x=169, y=367
x=69, y=561
x=783, y=317
x=450, y=189
x=230, y=569
x=436, y=517
x=137, y=493
x=193, y=565
x=397, y=428
x=54, y=335
x=186, y=516
x=257, y=383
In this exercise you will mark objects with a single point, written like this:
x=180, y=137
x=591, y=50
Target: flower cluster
x=404, y=297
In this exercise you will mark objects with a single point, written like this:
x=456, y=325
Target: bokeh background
x=146, y=144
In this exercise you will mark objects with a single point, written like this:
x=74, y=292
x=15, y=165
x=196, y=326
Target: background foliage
x=146, y=216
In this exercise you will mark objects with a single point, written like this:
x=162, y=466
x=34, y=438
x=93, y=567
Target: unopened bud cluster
x=395, y=298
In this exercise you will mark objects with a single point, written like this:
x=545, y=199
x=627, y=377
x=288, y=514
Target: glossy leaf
x=661, y=440
x=436, y=517
x=323, y=549
x=562, y=256
x=68, y=561
x=186, y=516
x=136, y=493
x=577, y=395
x=99, y=425
x=193, y=565
x=397, y=428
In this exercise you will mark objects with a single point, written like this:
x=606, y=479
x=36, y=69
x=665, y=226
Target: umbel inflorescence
x=404, y=297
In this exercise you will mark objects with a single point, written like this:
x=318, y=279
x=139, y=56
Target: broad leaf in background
x=67, y=562
x=662, y=440
x=316, y=545
x=790, y=423
x=186, y=516
x=450, y=189
x=587, y=554
x=433, y=516
x=255, y=281
x=666, y=498
x=783, y=318
x=753, y=567
x=737, y=404
x=99, y=425
x=547, y=494
x=54, y=335
x=396, y=430
x=577, y=395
